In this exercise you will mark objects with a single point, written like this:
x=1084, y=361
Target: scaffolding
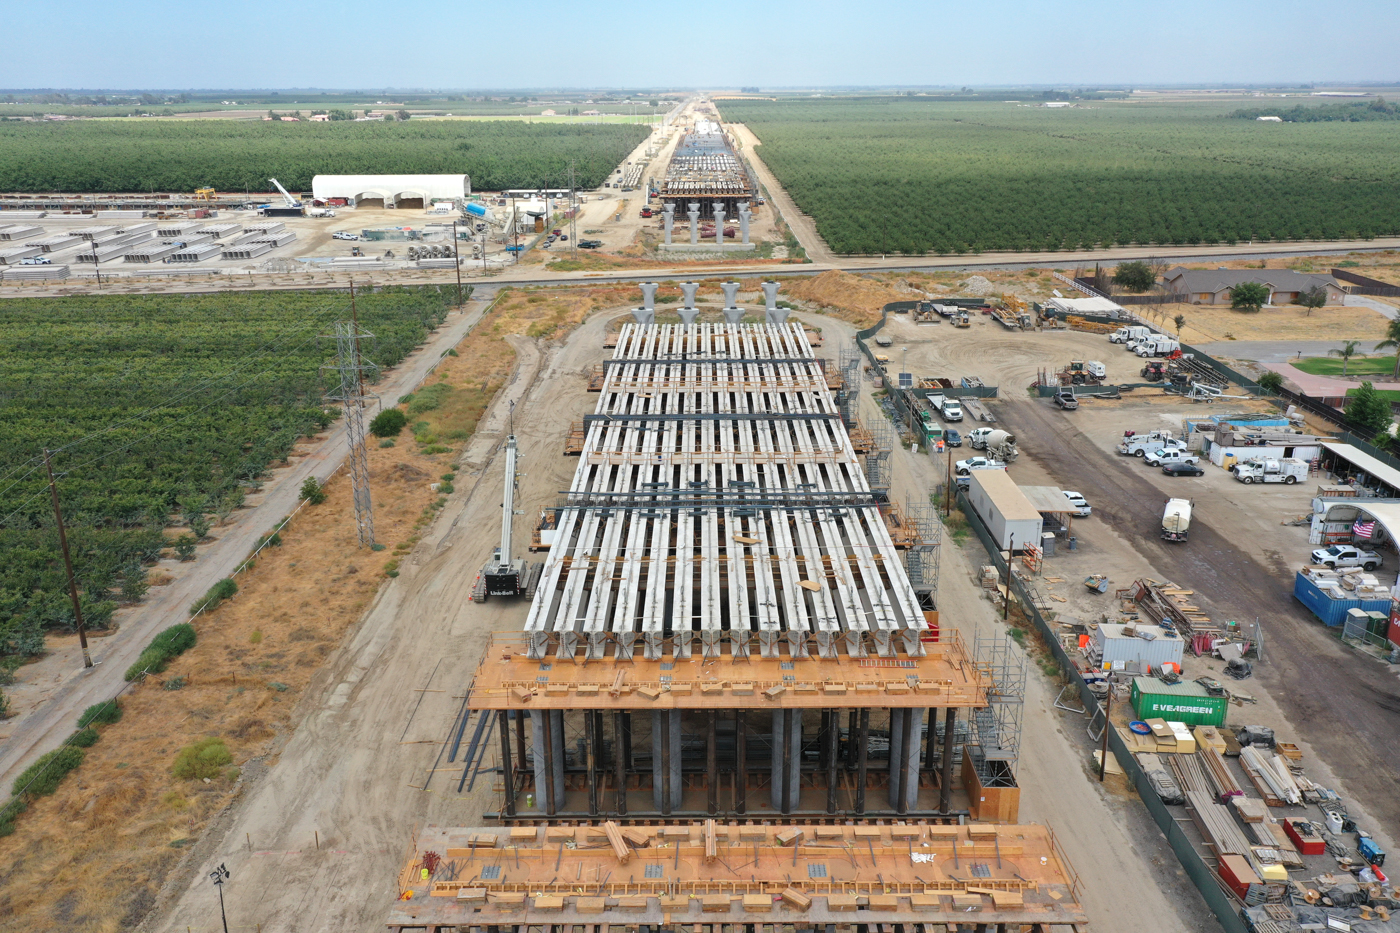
x=921, y=560
x=877, y=462
x=848, y=362
x=998, y=725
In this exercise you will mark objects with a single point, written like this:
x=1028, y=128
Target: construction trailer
x=1010, y=517
x=724, y=623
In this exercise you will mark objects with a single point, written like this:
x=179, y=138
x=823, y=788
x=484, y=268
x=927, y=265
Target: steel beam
x=507, y=772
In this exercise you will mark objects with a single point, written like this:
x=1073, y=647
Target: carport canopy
x=1047, y=499
x=1369, y=468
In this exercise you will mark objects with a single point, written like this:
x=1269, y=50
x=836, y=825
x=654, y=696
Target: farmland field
x=181, y=155
x=156, y=407
x=893, y=175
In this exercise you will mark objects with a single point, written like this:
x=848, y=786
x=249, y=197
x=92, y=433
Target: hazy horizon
x=415, y=45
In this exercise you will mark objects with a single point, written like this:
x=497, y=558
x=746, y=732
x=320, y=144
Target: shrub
x=100, y=714
x=203, y=759
x=256, y=637
x=184, y=547
x=446, y=488
x=435, y=449
x=388, y=423
x=1271, y=380
x=219, y=592
x=386, y=443
x=164, y=648
x=174, y=683
x=83, y=738
x=9, y=811
x=42, y=777
x=312, y=491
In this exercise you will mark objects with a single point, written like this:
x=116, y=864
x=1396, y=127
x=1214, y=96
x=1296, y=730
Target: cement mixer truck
x=999, y=444
x=1176, y=520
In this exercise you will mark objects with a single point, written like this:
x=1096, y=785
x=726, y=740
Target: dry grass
x=1211, y=324
x=854, y=298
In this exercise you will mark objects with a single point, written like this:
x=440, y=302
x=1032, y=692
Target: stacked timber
x=1190, y=775
x=1221, y=780
x=1217, y=825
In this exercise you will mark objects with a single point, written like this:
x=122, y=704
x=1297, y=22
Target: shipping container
x=1160, y=646
x=1332, y=612
x=1184, y=702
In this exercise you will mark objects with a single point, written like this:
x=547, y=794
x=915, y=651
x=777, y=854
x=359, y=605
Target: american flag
x=1363, y=529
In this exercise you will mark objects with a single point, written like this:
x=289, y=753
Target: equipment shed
x=391, y=189
x=1004, y=509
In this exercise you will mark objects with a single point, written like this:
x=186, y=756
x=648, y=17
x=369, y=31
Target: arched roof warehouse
x=391, y=187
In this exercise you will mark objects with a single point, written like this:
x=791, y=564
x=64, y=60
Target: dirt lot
x=1337, y=703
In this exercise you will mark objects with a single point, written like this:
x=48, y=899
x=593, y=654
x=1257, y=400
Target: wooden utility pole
x=67, y=562
x=457, y=261
x=1103, y=753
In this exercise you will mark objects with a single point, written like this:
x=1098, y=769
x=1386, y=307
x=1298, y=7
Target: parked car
x=1182, y=469
x=1346, y=555
x=952, y=438
x=342, y=235
x=1081, y=505
x=589, y=244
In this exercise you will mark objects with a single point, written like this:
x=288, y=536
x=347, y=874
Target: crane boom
x=505, y=575
x=291, y=201
x=508, y=507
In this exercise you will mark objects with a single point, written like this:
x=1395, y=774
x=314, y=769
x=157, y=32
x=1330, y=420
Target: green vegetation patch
x=163, y=649
x=1356, y=366
x=910, y=175
x=155, y=407
x=203, y=759
x=234, y=155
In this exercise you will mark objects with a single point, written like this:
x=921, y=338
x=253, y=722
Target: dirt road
x=1343, y=705
x=52, y=721
x=370, y=728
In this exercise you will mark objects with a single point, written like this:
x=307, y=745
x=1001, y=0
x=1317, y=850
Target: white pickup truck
x=1164, y=455
x=964, y=467
x=1140, y=445
x=1345, y=555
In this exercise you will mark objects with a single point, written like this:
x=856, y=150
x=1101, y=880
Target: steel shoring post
x=520, y=740
x=833, y=717
x=908, y=760
x=863, y=746
x=851, y=740
x=665, y=719
x=507, y=773
x=711, y=763
x=548, y=719
x=741, y=762
x=899, y=726
x=945, y=788
x=588, y=730
x=786, y=795
x=620, y=764
x=930, y=738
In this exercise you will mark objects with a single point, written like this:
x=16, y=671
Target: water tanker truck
x=1176, y=520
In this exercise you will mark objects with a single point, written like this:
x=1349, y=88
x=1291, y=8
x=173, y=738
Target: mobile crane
x=502, y=575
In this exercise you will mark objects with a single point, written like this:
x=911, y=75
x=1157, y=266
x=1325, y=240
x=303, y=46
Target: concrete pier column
x=733, y=314
x=649, y=295
x=771, y=312
x=668, y=219
x=719, y=226
x=694, y=214
x=547, y=748
x=666, y=757
x=688, y=311
x=787, y=759
x=905, y=725
x=744, y=215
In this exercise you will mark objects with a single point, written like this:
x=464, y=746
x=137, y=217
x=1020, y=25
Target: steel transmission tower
x=352, y=397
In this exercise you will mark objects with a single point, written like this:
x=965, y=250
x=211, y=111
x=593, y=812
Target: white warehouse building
x=392, y=190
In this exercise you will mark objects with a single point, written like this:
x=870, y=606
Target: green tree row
x=234, y=155
x=157, y=408
x=905, y=175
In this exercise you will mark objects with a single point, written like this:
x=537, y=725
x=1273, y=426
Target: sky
x=354, y=44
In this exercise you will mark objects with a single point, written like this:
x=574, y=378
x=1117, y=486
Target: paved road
x=51, y=722
x=1268, y=351
x=1342, y=704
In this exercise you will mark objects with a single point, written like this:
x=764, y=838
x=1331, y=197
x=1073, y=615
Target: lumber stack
x=1190, y=775
x=1217, y=825
x=1221, y=780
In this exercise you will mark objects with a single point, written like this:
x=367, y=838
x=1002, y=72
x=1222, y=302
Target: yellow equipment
x=204, y=194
